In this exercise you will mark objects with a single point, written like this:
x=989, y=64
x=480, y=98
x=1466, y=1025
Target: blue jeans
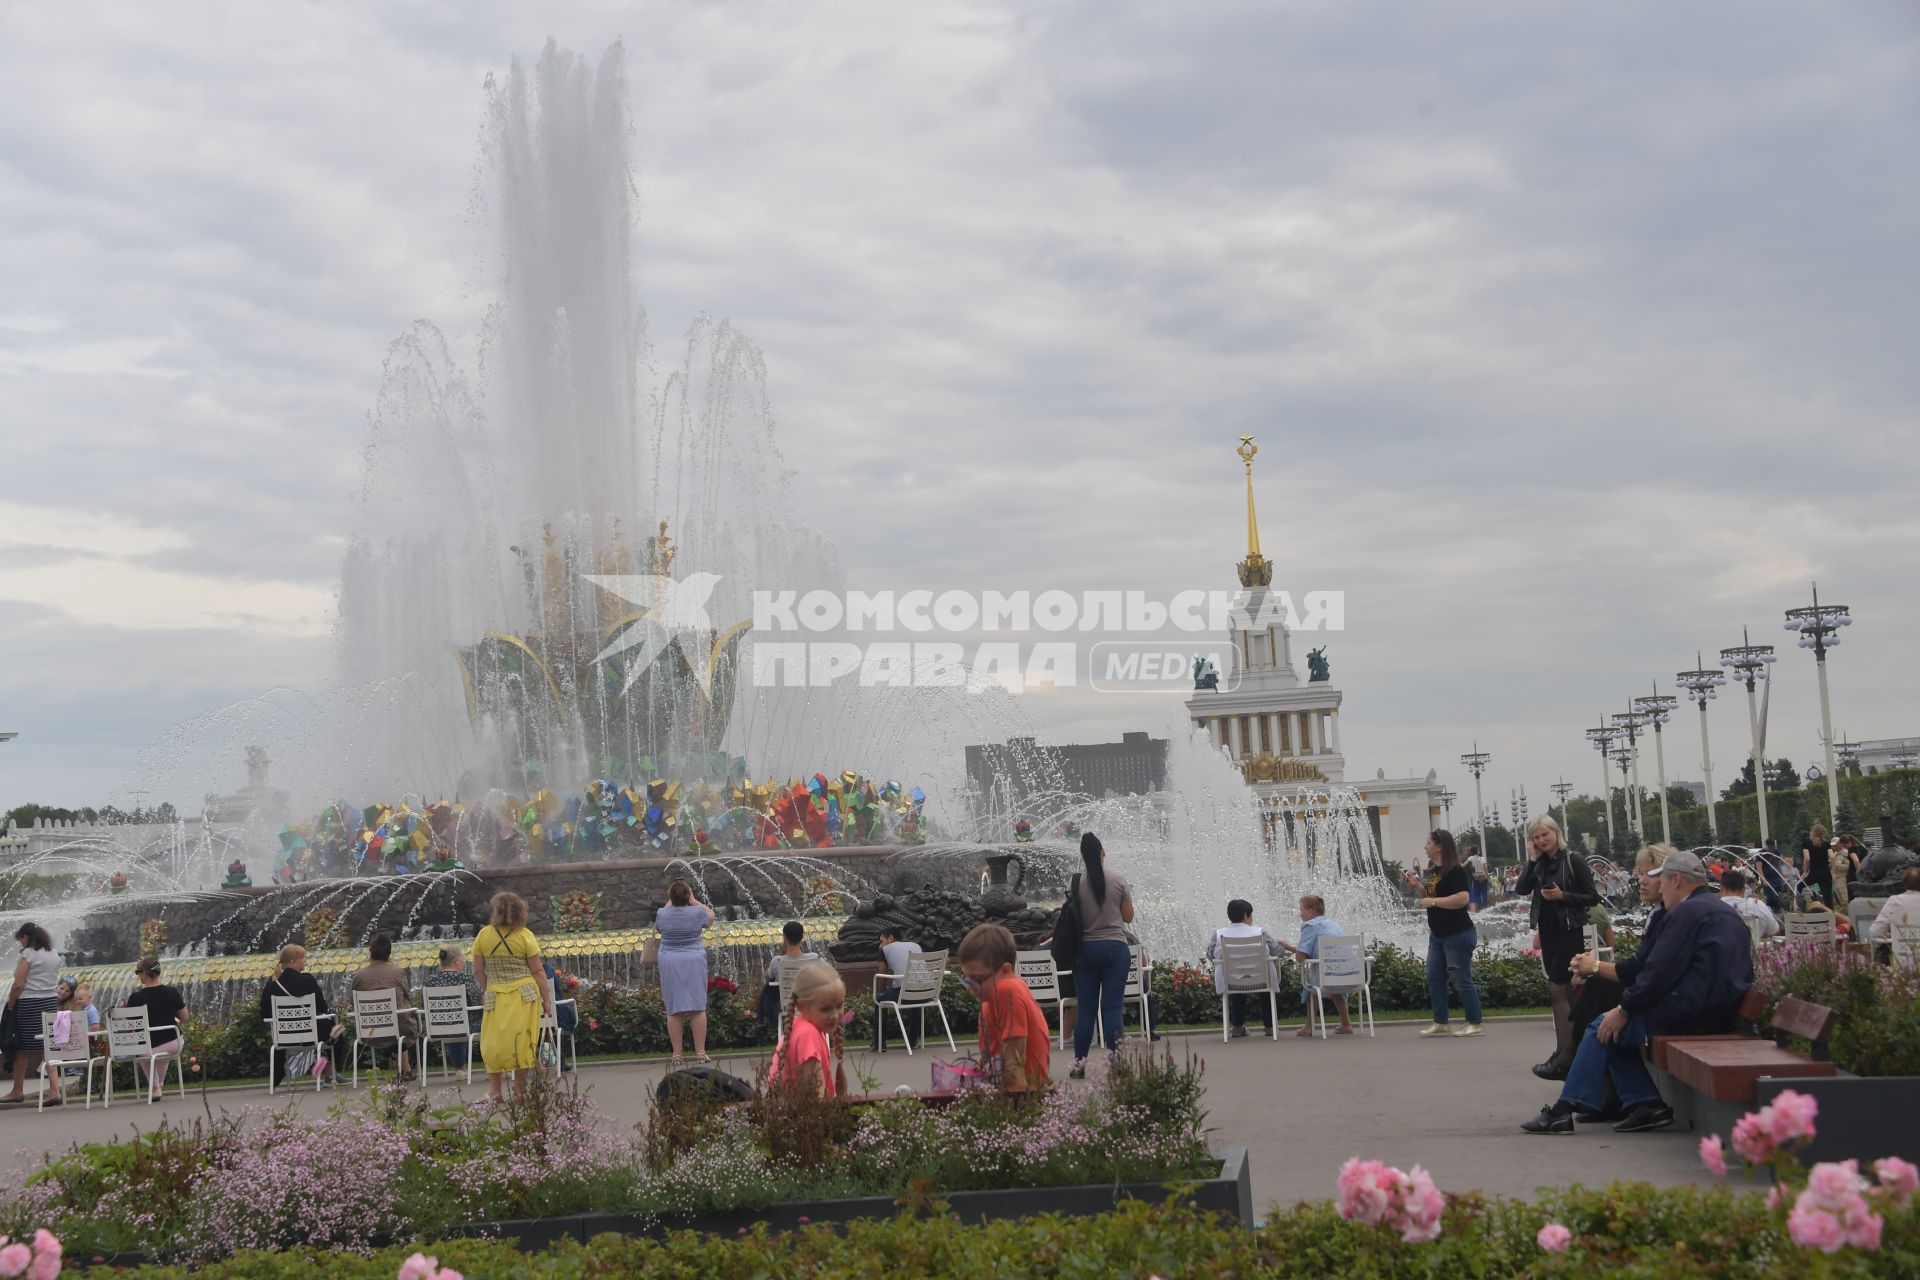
x=1594, y=1062
x=1456, y=954
x=1099, y=978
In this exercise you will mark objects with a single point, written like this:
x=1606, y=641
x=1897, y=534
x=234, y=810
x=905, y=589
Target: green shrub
x=1626, y=1231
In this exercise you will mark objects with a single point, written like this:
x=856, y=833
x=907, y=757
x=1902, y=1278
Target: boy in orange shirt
x=1012, y=1027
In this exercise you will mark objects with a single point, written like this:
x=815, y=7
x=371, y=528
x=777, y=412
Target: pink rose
x=45, y=1266
x=44, y=1241
x=1753, y=1137
x=1776, y=1197
x=1832, y=1186
x=419, y=1267
x=1554, y=1238
x=1812, y=1229
x=1898, y=1179
x=1359, y=1197
x=1793, y=1115
x=1419, y=1221
x=14, y=1259
x=1714, y=1155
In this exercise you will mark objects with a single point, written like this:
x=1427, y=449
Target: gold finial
x=1255, y=570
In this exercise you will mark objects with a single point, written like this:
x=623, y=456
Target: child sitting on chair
x=1012, y=1028
x=1314, y=926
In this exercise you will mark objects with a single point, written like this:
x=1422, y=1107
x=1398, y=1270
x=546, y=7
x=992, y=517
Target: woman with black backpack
x=1091, y=939
x=1563, y=893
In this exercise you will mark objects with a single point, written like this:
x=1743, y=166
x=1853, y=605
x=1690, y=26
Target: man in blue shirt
x=1693, y=967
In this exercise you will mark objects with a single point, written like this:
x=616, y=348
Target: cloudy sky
x=1575, y=336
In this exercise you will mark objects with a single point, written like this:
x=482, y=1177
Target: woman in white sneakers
x=1446, y=892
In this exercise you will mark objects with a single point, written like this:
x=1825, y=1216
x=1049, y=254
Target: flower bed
x=396, y=1168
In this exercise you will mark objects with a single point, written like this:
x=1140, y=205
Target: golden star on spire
x=1256, y=570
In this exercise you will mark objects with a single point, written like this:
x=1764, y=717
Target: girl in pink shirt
x=813, y=1043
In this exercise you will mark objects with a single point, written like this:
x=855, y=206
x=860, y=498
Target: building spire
x=1256, y=570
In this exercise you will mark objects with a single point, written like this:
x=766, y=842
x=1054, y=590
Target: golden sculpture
x=1256, y=570
x=1267, y=767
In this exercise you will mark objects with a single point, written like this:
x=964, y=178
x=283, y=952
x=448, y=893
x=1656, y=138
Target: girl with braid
x=813, y=1040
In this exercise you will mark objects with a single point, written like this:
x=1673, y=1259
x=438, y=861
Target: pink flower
x=1793, y=1115
x=1812, y=1229
x=14, y=1259
x=1554, y=1238
x=1860, y=1225
x=1362, y=1190
x=45, y=1266
x=1898, y=1179
x=1776, y=1197
x=1832, y=1186
x=1753, y=1137
x=44, y=1241
x=419, y=1267
x=1420, y=1219
x=1714, y=1155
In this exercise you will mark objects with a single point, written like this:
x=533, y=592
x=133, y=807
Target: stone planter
x=1861, y=1117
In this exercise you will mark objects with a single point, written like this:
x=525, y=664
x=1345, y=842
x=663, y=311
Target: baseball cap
x=1682, y=863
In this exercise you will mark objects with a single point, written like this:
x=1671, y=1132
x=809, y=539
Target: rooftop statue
x=1317, y=665
x=1205, y=674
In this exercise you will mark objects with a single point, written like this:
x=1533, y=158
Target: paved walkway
x=1301, y=1107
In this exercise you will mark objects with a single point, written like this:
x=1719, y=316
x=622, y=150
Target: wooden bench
x=1724, y=1068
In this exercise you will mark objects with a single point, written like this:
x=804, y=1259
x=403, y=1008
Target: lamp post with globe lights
x=1602, y=738
x=1749, y=662
x=1446, y=799
x=1848, y=753
x=1703, y=686
x=1906, y=755
x=1630, y=723
x=1819, y=627
x=1658, y=707
x=1561, y=790
x=1477, y=762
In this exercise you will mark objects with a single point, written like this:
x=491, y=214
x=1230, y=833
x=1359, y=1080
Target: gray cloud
x=1574, y=336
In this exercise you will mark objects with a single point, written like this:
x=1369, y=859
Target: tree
x=27, y=814
x=1781, y=776
x=1678, y=797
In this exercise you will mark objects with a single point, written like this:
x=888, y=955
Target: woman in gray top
x=35, y=991
x=1100, y=972
x=683, y=966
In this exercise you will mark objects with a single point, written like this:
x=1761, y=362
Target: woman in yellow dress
x=506, y=964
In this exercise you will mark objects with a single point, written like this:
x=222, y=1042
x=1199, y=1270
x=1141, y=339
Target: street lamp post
x=1703, y=686
x=1602, y=738
x=1624, y=755
x=1749, y=662
x=1446, y=802
x=1658, y=707
x=1905, y=756
x=1477, y=761
x=1819, y=627
x=1630, y=723
x=1847, y=752
x=1561, y=790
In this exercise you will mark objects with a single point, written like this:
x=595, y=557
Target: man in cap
x=1688, y=978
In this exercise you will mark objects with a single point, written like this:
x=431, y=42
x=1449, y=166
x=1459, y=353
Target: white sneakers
x=1437, y=1029
x=1467, y=1029
x=1471, y=1029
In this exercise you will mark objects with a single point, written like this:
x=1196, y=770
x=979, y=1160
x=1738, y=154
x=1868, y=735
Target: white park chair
x=562, y=1040
x=78, y=1051
x=1341, y=969
x=1245, y=968
x=294, y=1028
x=1042, y=976
x=1757, y=932
x=1593, y=940
x=376, y=1016
x=446, y=1019
x=1135, y=989
x=918, y=990
x=1906, y=945
x=786, y=972
x=130, y=1038
x=1809, y=926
